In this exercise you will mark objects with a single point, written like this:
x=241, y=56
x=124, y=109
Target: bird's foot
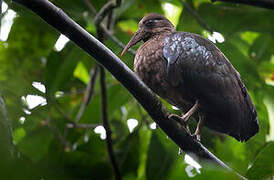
x=196, y=136
x=181, y=120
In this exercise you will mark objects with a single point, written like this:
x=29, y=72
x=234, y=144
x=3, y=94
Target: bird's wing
x=201, y=70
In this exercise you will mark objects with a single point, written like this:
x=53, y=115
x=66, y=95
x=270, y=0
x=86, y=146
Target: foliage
x=48, y=149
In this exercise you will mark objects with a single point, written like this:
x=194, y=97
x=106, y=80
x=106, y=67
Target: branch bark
x=59, y=20
x=268, y=4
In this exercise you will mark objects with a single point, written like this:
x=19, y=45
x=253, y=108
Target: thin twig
x=59, y=110
x=88, y=93
x=268, y=4
x=90, y=7
x=73, y=92
x=98, y=20
x=107, y=32
x=62, y=139
x=116, y=40
x=105, y=10
x=196, y=16
x=80, y=125
x=65, y=25
x=106, y=124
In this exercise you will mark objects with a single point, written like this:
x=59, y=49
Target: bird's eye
x=151, y=22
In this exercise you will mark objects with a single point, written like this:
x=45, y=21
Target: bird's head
x=151, y=25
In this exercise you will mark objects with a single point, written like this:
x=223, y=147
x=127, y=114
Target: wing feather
x=200, y=69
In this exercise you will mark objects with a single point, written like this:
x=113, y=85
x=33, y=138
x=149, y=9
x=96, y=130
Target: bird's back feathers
x=201, y=71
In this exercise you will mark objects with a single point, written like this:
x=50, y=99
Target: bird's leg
x=197, y=133
x=183, y=120
x=189, y=113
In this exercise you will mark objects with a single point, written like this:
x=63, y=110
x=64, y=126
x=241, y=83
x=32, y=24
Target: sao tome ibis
x=191, y=73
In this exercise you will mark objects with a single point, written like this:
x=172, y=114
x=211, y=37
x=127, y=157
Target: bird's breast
x=150, y=66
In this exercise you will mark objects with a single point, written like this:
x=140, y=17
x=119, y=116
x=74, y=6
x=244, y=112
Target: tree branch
x=80, y=125
x=90, y=7
x=102, y=13
x=88, y=93
x=59, y=20
x=117, y=41
x=62, y=139
x=107, y=32
x=108, y=7
x=268, y=4
x=106, y=124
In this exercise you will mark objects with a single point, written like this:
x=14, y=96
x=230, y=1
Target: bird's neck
x=158, y=34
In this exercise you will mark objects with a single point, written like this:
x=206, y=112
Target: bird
x=191, y=73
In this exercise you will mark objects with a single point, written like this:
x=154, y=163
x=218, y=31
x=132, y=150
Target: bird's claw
x=176, y=118
x=180, y=120
x=196, y=136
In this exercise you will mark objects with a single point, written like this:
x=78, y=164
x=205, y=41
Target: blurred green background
x=43, y=86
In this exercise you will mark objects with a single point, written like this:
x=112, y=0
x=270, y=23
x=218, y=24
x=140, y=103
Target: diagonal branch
x=88, y=93
x=268, y=4
x=59, y=20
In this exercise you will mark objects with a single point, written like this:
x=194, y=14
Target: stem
x=88, y=93
x=106, y=10
x=106, y=124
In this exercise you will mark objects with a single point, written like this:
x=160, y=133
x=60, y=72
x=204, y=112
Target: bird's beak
x=138, y=36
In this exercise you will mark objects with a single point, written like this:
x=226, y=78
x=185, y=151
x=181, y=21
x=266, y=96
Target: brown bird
x=191, y=73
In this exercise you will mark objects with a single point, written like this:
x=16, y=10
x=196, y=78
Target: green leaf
x=172, y=11
x=160, y=157
x=269, y=103
x=18, y=134
x=236, y=18
x=129, y=26
x=81, y=73
x=178, y=170
x=60, y=67
x=36, y=144
x=212, y=172
x=263, y=167
x=145, y=135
